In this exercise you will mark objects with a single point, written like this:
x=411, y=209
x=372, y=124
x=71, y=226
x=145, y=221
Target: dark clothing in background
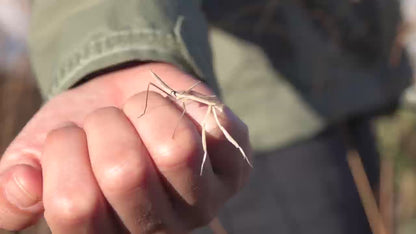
x=336, y=54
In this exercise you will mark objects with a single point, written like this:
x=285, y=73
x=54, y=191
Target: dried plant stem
x=366, y=194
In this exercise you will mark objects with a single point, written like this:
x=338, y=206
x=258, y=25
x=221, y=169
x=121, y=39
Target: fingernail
x=18, y=195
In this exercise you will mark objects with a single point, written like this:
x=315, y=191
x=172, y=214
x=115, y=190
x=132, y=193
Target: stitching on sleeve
x=137, y=40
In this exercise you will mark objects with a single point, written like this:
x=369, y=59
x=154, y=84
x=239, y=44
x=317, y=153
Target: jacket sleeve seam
x=145, y=40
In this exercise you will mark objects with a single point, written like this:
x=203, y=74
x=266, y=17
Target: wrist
x=124, y=83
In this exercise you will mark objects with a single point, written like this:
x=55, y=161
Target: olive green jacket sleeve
x=72, y=39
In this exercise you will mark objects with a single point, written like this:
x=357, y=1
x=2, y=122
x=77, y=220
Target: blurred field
x=19, y=99
x=397, y=144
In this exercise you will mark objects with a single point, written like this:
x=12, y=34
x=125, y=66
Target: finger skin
x=72, y=199
x=126, y=175
x=20, y=197
x=178, y=157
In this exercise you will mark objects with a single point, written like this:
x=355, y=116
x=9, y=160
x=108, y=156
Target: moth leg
x=147, y=97
x=177, y=123
x=230, y=138
x=204, y=139
x=193, y=86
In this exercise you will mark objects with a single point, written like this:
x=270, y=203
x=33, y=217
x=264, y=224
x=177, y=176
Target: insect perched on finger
x=213, y=104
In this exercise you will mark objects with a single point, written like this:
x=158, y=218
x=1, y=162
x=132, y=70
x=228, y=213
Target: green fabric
x=274, y=112
x=71, y=39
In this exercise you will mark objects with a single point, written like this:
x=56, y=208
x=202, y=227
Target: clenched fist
x=90, y=165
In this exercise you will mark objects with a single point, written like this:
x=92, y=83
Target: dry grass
x=397, y=144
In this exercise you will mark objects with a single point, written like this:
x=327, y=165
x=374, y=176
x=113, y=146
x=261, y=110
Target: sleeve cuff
x=60, y=63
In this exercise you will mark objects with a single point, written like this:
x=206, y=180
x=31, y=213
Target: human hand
x=91, y=165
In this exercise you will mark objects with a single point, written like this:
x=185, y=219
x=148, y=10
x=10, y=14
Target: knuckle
x=239, y=178
x=184, y=152
x=206, y=208
x=124, y=176
x=62, y=133
x=100, y=115
x=201, y=216
x=71, y=210
x=138, y=101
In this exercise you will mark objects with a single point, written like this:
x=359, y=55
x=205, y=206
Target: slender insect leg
x=180, y=118
x=189, y=90
x=193, y=86
x=166, y=86
x=204, y=146
x=204, y=139
x=229, y=137
x=147, y=96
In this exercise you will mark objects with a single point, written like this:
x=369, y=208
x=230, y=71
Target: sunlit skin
x=92, y=166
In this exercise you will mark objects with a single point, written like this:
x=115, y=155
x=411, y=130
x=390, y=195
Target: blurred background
x=396, y=133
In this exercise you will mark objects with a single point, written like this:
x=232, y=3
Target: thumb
x=21, y=176
x=20, y=196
